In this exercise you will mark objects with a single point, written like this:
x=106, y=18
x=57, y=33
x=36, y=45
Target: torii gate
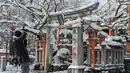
x=77, y=48
x=77, y=42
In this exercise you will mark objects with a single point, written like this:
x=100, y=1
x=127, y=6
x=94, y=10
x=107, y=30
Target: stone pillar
x=36, y=54
x=48, y=53
x=98, y=56
x=114, y=56
x=2, y=63
x=103, y=54
x=123, y=52
x=88, y=55
x=77, y=51
x=40, y=55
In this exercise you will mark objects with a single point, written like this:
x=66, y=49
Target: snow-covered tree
x=34, y=14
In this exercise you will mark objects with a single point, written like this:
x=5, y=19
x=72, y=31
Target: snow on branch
x=32, y=30
x=26, y=9
x=44, y=21
x=64, y=12
x=7, y=21
x=17, y=18
x=117, y=21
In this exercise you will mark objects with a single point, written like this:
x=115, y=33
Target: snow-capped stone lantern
x=92, y=31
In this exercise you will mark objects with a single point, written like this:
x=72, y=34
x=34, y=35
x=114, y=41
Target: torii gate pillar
x=77, y=50
x=48, y=51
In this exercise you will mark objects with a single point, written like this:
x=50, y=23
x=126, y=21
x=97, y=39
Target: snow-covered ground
x=12, y=69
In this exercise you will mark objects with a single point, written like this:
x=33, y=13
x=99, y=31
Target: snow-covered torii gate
x=77, y=55
x=77, y=42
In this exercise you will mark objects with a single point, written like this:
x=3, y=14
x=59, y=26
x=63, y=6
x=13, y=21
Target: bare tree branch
x=117, y=10
x=64, y=12
x=16, y=19
x=24, y=8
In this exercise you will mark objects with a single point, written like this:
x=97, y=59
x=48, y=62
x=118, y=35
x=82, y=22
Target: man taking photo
x=20, y=43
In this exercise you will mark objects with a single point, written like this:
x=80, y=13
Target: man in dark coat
x=20, y=44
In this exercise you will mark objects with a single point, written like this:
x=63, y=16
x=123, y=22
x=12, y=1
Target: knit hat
x=17, y=33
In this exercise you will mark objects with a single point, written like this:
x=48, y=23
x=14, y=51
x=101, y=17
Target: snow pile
x=61, y=56
x=62, y=51
x=114, y=40
x=65, y=31
x=77, y=67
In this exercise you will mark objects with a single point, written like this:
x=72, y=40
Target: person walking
x=20, y=43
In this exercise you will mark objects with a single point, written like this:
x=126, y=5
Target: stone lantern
x=92, y=33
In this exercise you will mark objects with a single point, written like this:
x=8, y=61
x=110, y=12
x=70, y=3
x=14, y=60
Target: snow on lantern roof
x=103, y=33
x=94, y=26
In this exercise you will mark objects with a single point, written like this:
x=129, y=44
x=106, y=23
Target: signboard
x=5, y=36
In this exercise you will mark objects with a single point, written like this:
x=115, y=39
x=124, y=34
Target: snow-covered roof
x=95, y=26
x=112, y=40
x=92, y=25
x=113, y=43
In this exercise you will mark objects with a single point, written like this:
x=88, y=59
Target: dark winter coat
x=20, y=47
